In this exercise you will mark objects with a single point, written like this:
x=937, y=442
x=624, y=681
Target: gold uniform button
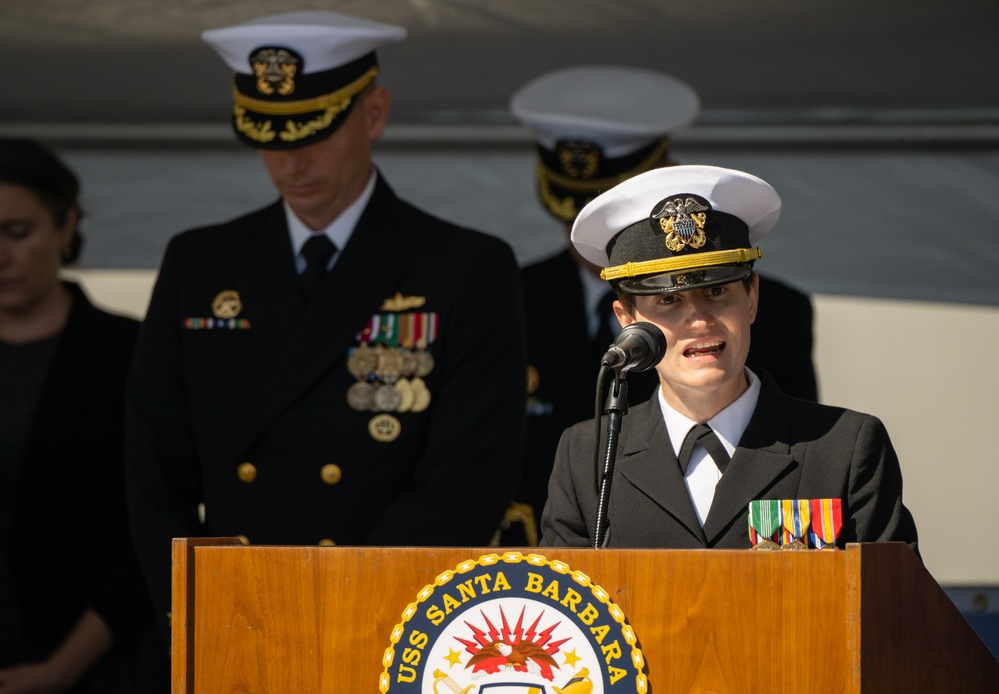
x=244, y=539
x=331, y=473
x=247, y=472
x=326, y=542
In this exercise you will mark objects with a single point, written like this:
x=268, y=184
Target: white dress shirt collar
x=339, y=230
x=702, y=474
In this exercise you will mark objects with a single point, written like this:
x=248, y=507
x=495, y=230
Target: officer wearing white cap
x=678, y=245
x=338, y=367
x=594, y=127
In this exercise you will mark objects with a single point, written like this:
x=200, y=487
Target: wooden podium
x=274, y=619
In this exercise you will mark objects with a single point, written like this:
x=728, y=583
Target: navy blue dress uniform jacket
x=560, y=353
x=791, y=449
x=70, y=547
x=204, y=402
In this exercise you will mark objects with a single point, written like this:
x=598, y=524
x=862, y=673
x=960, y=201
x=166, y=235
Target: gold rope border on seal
x=294, y=108
x=559, y=567
x=682, y=262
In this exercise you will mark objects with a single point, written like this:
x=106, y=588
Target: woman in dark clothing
x=73, y=603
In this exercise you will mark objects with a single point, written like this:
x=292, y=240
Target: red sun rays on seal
x=496, y=648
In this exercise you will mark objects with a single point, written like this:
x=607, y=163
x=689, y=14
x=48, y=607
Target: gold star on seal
x=571, y=658
x=453, y=657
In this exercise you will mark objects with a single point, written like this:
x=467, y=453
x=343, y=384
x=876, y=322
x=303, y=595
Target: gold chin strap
x=295, y=108
x=682, y=262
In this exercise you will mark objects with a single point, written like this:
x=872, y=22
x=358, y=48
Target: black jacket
x=792, y=449
x=203, y=402
x=560, y=352
x=70, y=546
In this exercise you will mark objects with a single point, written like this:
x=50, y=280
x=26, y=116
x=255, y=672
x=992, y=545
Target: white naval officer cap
x=597, y=125
x=297, y=73
x=677, y=228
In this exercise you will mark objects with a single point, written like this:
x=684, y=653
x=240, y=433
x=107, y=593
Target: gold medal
x=361, y=396
x=406, y=396
x=795, y=544
x=384, y=428
x=227, y=304
x=421, y=395
x=387, y=398
x=362, y=361
x=767, y=545
x=409, y=363
x=390, y=363
x=424, y=363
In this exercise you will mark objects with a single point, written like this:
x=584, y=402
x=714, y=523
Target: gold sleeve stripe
x=295, y=108
x=680, y=262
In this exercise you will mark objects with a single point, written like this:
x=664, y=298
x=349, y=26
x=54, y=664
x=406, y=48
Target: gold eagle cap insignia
x=275, y=70
x=682, y=220
x=403, y=303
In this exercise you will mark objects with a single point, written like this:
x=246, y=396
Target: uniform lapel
x=267, y=282
x=366, y=273
x=648, y=463
x=762, y=457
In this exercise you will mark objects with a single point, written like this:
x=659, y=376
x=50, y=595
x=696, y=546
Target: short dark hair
x=628, y=300
x=31, y=164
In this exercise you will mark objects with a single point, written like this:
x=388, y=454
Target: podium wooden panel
x=264, y=619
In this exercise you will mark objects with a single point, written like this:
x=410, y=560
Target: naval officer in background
x=595, y=126
x=338, y=367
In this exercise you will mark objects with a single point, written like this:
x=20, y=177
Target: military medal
x=421, y=396
x=424, y=364
x=362, y=361
x=409, y=363
x=764, y=522
x=794, y=523
x=827, y=522
x=390, y=362
x=384, y=428
x=361, y=396
x=406, y=396
x=227, y=304
x=387, y=398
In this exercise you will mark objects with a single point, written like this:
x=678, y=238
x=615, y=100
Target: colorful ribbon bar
x=827, y=522
x=795, y=519
x=216, y=324
x=409, y=330
x=764, y=520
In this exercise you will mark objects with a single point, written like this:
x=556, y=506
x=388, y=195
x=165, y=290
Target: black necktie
x=604, y=336
x=317, y=252
x=704, y=435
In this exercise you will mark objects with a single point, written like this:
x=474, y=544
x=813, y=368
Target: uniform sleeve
x=467, y=473
x=563, y=523
x=161, y=461
x=876, y=512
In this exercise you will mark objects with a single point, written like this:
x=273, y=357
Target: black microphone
x=638, y=347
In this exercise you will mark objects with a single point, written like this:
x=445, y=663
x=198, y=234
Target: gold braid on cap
x=682, y=262
x=319, y=103
x=601, y=184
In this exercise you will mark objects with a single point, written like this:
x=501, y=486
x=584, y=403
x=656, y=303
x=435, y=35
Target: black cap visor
x=685, y=280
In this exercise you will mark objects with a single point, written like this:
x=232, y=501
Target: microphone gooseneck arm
x=617, y=407
x=639, y=347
